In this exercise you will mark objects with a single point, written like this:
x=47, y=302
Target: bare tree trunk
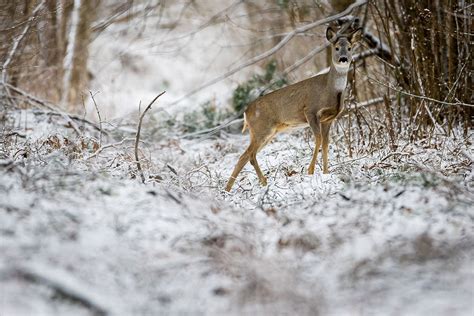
x=69, y=57
x=80, y=72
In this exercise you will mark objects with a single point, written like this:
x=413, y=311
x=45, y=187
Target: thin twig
x=102, y=148
x=421, y=96
x=395, y=153
x=100, y=119
x=17, y=42
x=214, y=130
x=137, y=139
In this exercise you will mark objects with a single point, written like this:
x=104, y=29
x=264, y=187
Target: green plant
x=283, y=4
x=246, y=92
x=206, y=116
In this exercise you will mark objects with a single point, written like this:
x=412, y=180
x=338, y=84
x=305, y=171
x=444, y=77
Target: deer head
x=342, y=47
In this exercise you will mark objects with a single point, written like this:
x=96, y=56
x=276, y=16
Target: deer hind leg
x=325, y=142
x=257, y=141
x=253, y=161
x=238, y=167
x=261, y=177
x=261, y=141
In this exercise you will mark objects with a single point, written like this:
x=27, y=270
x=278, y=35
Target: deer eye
x=337, y=48
x=349, y=49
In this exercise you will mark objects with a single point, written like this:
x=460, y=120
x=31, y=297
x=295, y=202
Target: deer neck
x=338, y=77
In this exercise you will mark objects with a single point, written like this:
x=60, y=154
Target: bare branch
x=380, y=49
x=137, y=138
x=303, y=60
x=212, y=20
x=421, y=96
x=17, y=42
x=100, y=119
x=102, y=148
x=275, y=49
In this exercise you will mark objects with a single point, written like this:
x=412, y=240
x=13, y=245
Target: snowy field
x=385, y=233
x=381, y=235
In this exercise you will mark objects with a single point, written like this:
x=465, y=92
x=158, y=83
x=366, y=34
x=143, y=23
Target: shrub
x=259, y=84
x=206, y=116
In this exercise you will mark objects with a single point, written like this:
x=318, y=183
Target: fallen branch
x=71, y=116
x=137, y=138
x=45, y=104
x=367, y=103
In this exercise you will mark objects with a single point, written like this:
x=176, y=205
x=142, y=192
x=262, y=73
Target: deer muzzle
x=343, y=60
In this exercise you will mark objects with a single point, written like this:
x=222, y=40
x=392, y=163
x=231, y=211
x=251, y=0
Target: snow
x=385, y=233
x=360, y=240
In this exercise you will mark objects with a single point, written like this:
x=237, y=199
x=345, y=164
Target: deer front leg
x=313, y=121
x=325, y=138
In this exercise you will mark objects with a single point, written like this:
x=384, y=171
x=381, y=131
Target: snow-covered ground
x=385, y=233
x=381, y=235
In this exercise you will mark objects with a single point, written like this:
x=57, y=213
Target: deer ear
x=330, y=34
x=356, y=35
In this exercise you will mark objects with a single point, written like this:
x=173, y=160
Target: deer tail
x=245, y=124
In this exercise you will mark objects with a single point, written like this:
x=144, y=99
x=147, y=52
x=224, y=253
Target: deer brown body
x=316, y=102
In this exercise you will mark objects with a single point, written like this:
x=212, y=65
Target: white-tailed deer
x=316, y=101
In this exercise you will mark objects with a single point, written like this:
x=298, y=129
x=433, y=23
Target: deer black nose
x=343, y=60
